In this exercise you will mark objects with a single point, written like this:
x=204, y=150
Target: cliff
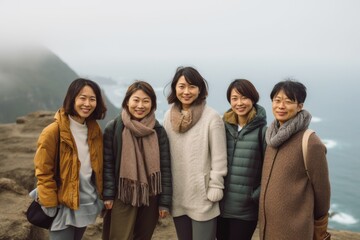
x=33, y=77
x=17, y=149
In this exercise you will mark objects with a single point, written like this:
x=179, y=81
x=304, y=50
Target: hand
x=108, y=204
x=163, y=213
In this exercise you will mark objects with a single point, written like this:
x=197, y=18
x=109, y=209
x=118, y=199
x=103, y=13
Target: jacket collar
x=64, y=124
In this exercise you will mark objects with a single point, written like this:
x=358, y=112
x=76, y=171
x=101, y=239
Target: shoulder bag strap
x=305, y=140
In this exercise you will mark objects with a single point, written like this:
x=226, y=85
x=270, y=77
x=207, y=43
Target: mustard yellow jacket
x=50, y=195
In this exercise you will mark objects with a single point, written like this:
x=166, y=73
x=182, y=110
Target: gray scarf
x=277, y=135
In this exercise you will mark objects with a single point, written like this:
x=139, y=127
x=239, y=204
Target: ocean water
x=334, y=123
x=343, y=160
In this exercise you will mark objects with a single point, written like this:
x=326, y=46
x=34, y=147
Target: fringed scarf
x=182, y=121
x=277, y=135
x=140, y=175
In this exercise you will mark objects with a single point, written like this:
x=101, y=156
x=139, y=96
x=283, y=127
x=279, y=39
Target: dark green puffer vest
x=245, y=160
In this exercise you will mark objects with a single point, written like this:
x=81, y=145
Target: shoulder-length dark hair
x=193, y=77
x=140, y=85
x=245, y=88
x=72, y=92
x=294, y=90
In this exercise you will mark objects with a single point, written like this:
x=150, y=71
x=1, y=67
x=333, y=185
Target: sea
x=334, y=120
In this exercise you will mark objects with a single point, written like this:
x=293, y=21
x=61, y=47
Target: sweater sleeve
x=217, y=145
x=109, y=162
x=319, y=174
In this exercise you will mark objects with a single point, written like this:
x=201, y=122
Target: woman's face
x=139, y=105
x=284, y=108
x=85, y=104
x=240, y=104
x=186, y=93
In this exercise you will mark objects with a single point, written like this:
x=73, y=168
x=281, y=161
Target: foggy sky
x=132, y=39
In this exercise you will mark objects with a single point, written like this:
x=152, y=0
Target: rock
x=10, y=185
x=14, y=201
x=94, y=231
x=17, y=149
x=20, y=120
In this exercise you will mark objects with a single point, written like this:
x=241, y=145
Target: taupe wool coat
x=289, y=202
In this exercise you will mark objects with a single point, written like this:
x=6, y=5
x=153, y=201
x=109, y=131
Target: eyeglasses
x=286, y=102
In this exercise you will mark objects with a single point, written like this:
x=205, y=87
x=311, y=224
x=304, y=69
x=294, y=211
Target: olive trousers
x=126, y=222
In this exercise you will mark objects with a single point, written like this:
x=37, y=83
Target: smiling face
x=186, y=92
x=241, y=105
x=85, y=104
x=284, y=108
x=139, y=105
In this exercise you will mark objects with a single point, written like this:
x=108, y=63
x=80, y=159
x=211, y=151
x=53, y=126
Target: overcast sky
x=108, y=37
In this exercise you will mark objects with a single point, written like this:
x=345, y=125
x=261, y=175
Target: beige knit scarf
x=182, y=121
x=140, y=175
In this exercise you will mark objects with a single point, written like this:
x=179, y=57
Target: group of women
x=217, y=176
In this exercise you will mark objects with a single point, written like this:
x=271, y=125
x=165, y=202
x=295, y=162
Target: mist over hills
x=33, y=78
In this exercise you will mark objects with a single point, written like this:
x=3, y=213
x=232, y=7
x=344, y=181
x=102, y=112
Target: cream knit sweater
x=199, y=165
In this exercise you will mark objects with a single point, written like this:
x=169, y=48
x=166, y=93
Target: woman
x=81, y=162
x=137, y=172
x=290, y=204
x=198, y=156
x=245, y=126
